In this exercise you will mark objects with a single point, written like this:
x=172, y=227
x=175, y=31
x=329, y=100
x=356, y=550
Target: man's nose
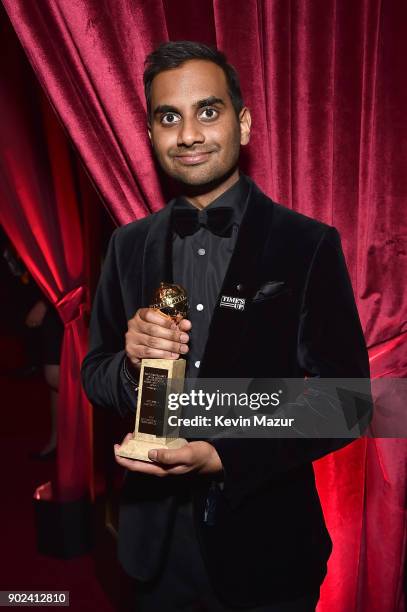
x=190, y=133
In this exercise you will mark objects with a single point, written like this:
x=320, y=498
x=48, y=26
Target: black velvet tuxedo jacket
x=268, y=539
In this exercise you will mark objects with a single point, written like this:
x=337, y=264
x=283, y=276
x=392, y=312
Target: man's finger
x=144, y=329
x=139, y=466
x=145, y=352
x=184, y=325
x=151, y=315
x=171, y=346
x=166, y=456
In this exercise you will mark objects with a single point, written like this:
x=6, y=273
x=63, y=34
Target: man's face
x=194, y=130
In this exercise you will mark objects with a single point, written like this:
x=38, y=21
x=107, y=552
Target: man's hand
x=199, y=456
x=152, y=335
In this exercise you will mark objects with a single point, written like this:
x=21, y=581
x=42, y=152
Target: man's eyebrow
x=165, y=108
x=168, y=108
x=209, y=102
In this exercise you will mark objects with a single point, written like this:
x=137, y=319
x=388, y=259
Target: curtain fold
x=38, y=210
x=326, y=86
x=74, y=416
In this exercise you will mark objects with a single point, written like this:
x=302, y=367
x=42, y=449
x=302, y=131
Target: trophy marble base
x=158, y=378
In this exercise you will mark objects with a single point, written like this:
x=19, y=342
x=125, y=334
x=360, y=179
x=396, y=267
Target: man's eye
x=209, y=113
x=169, y=119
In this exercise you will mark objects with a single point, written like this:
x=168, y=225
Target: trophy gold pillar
x=158, y=378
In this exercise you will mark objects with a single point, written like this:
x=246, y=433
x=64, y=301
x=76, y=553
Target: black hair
x=173, y=54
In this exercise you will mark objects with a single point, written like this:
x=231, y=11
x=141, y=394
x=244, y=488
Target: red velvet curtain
x=88, y=56
x=325, y=81
x=38, y=210
x=331, y=98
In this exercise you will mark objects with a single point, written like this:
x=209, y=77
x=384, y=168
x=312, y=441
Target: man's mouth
x=190, y=159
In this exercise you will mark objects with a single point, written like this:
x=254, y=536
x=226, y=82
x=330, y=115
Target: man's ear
x=245, y=120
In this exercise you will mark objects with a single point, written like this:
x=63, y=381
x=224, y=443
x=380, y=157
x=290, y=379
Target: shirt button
x=197, y=364
x=201, y=251
x=199, y=307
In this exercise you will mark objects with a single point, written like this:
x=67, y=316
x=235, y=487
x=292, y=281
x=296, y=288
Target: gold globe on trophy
x=171, y=301
x=158, y=378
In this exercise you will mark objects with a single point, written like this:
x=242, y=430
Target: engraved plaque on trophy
x=158, y=378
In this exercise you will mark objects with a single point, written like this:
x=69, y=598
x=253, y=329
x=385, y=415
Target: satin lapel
x=157, y=259
x=241, y=279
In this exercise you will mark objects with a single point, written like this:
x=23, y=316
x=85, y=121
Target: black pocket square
x=270, y=289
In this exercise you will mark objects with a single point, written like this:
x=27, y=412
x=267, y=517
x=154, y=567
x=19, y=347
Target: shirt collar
x=235, y=197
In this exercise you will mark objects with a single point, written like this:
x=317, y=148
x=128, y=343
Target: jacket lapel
x=242, y=278
x=157, y=258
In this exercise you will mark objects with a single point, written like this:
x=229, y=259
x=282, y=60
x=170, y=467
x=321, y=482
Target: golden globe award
x=158, y=378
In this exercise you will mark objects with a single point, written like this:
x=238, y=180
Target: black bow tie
x=219, y=221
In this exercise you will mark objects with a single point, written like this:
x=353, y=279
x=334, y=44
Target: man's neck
x=201, y=200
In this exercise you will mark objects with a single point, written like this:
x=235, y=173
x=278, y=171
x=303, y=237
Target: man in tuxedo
x=220, y=524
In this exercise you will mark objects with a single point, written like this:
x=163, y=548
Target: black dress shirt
x=200, y=262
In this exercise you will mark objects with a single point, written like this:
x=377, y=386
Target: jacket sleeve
x=106, y=373
x=331, y=345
